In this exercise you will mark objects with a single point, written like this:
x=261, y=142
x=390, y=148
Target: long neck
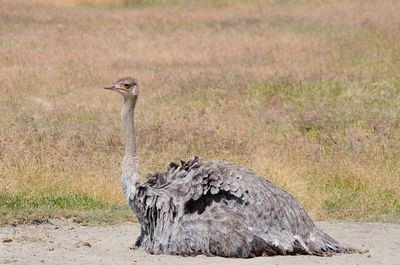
x=128, y=126
x=130, y=177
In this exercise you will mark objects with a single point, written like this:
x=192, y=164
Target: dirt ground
x=61, y=242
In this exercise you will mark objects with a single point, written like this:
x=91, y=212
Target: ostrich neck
x=130, y=177
x=128, y=126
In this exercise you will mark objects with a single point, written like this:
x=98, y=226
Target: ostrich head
x=127, y=87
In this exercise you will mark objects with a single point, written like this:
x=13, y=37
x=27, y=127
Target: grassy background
x=307, y=93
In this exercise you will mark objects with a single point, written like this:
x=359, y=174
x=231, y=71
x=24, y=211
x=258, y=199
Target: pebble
x=7, y=240
x=87, y=244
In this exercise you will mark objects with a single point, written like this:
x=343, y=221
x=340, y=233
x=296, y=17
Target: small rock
x=87, y=244
x=7, y=240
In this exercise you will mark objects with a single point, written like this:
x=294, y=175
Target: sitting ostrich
x=212, y=207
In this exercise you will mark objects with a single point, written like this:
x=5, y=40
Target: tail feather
x=321, y=244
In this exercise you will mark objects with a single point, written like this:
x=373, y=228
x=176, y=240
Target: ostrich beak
x=110, y=87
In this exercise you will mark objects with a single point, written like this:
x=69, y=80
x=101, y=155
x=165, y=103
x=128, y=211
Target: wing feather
x=216, y=208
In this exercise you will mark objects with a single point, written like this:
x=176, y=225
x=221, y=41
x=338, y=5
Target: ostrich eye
x=126, y=85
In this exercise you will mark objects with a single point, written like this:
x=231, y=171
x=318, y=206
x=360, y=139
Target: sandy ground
x=62, y=242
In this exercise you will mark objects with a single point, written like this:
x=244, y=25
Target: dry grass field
x=307, y=93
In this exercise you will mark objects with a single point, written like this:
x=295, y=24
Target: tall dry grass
x=304, y=92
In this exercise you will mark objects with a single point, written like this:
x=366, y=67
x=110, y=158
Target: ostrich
x=212, y=207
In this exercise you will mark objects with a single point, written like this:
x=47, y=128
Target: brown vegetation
x=304, y=92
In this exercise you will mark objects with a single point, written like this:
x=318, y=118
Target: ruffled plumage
x=215, y=208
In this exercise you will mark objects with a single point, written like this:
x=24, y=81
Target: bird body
x=213, y=207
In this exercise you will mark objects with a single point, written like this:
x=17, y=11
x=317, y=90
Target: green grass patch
x=346, y=197
x=19, y=208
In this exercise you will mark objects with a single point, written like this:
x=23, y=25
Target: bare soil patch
x=61, y=242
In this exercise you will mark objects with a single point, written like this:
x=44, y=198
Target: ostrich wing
x=215, y=208
x=195, y=181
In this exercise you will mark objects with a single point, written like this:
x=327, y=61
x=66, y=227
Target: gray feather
x=215, y=208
